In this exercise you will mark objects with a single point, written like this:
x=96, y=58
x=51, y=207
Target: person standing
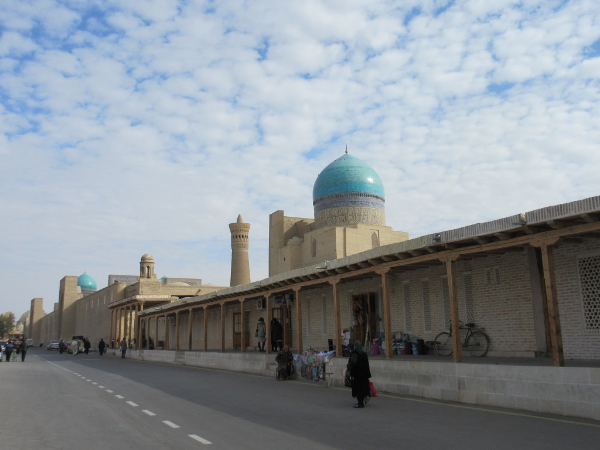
x=358, y=366
x=123, y=348
x=23, y=349
x=260, y=334
x=276, y=335
x=101, y=346
x=86, y=345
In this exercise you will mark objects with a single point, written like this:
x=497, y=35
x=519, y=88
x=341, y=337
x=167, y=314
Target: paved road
x=89, y=402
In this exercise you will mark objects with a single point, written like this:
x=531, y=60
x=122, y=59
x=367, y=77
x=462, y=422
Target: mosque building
x=530, y=280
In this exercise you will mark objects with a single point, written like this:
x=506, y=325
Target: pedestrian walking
x=123, y=348
x=101, y=346
x=86, y=345
x=8, y=349
x=261, y=332
x=358, y=366
x=23, y=349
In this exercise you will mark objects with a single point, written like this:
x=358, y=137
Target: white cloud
x=147, y=126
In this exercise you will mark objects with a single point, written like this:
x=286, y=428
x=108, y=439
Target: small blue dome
x=86, y=282
x=348, y=174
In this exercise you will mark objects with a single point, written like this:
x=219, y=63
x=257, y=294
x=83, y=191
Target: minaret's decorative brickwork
x=240, y=265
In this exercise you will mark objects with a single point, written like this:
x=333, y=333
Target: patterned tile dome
x=85, y=281
x=347, y=174
x=348, y=191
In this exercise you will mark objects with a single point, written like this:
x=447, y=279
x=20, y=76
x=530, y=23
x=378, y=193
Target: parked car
x=53, y=345
x=29, y=342
x=2, y=345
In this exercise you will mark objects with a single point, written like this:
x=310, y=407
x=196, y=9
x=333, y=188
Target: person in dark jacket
x=86, y=345
x=358, y=366
x=123, y=348
x=276, y=335
x=8, y=350
x=101, y=346
x=23, y=348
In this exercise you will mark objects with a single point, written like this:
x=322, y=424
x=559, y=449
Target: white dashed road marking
x=199, y=439
x=109, y=391
x=119, y=396
x=101, y=387
x=171, y=424
x=150, y=413
x=94, y=382
x=133, y=404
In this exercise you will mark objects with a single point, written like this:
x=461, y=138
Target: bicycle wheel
x=443, y=343
x=478, y=343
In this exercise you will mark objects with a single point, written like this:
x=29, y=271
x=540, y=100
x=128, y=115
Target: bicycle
x=476, y=341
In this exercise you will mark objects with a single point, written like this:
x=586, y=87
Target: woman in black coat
x=358, y=366
x=276, y=335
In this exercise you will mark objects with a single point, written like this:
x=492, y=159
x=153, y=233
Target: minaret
x=240, y=266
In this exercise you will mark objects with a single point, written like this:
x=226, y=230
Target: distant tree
x=7, y=324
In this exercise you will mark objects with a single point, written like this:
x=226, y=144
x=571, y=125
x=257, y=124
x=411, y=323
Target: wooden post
x=126, y=330
x=268, y=324
x=190, y=317
x=222, y=327
x=387, y=312
x=552, y=301
x=205, y=329
x=243, y=343
x=177, y=331
x=136, y=328
x=456, y=343
x=156, y=332
x=298, y=317
x=166, y=341
x=337, y=314
x=119, y=333
x=112, y=324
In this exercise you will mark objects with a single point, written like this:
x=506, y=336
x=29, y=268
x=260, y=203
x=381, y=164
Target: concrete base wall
x=260, y=364
x=571, y=391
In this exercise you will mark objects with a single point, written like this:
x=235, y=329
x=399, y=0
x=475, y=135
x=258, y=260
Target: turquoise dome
x=86, y=282
x=348, y=174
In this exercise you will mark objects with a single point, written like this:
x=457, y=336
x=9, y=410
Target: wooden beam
x=503, y=236
x=451, y=245
x=452, y=289
x=298, y=300
x=402, y=256
x=387, y=312
x=387, y=258
x=552, y=300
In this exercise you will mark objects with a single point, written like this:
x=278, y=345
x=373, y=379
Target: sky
x=147, y=126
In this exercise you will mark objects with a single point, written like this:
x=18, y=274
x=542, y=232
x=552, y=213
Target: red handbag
x=372, y=388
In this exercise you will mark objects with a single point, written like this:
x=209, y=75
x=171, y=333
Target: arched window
x=314, y=248
x=374, y=240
